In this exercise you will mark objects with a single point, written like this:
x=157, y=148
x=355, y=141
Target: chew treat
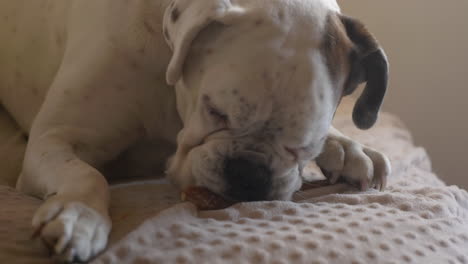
x=314, y=184
x=204, y=199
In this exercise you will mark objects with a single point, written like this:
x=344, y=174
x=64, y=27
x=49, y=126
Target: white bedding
x=418, y=219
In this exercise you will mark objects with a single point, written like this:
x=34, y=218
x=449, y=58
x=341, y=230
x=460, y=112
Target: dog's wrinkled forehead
x=259, y=61
x=185, y=19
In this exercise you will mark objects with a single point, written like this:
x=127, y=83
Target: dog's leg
x=84, y=122
x=74, y=221
x=344, y=157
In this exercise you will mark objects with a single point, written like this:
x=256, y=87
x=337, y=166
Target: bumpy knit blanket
x=418, y=219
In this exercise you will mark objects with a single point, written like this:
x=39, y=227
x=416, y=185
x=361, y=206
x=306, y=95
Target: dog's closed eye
x=217, y=115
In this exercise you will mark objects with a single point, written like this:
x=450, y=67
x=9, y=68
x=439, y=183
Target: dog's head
x=258, y=83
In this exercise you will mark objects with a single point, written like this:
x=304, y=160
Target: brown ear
x=368, y=64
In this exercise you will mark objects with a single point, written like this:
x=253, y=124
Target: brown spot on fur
x=78, y=147
x=359, y=35
x=175, y=14
x=258, y=22
x=134, y=66
x=120, y=87
x=281, y=15
x=209, y=51
x=18, y=75
x=59, y=40
x=148, y=27
x=336, y=47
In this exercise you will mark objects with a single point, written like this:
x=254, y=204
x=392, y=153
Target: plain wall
x=426, y=42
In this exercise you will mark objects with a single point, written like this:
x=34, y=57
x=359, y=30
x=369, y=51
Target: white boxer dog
x=249, y=87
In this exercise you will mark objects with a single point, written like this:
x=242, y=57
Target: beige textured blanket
x=418, y=219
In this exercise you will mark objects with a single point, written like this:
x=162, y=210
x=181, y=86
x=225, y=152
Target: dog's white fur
x=87, y=80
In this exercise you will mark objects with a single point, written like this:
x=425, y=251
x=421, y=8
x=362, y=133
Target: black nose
x=247, y=180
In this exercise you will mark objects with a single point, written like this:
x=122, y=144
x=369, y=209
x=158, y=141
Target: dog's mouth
x=240, y=169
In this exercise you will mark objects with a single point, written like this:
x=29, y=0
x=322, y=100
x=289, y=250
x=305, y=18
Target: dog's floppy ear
x=368, y=64
x=184, y=20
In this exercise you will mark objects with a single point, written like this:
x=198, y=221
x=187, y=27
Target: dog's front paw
x=357, y=164
x=72, y=230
